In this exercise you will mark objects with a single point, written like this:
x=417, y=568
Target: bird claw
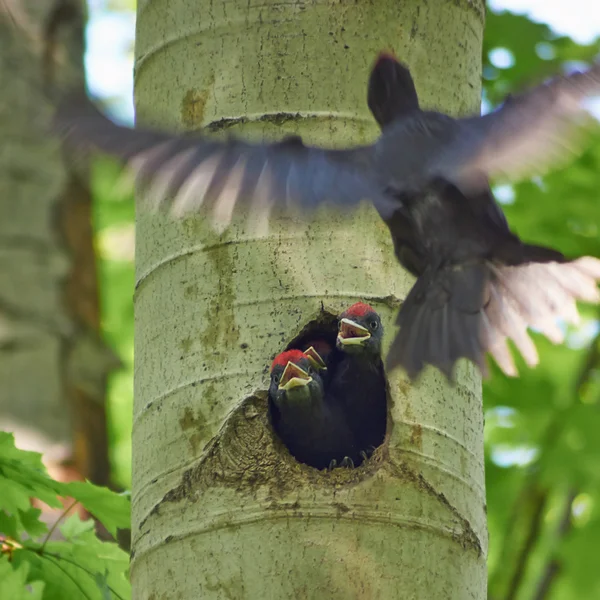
x=366, y=454
x=347, y=462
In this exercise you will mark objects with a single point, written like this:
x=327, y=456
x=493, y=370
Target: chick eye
x=374, y=324
x=275, y=378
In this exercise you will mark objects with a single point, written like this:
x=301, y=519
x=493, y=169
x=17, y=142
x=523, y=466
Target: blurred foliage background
x=542, y=430
x=542, y=443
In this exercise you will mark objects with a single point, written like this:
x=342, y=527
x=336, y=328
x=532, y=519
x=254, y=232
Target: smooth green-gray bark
x=219, y=508
x=53, y=366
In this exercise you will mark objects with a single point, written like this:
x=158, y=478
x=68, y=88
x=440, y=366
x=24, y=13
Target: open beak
x=352, y=334
x=293, y=377
x=315, y=359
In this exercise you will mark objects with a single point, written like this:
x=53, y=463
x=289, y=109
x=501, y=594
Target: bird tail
x=391, y=91
x=465, y=311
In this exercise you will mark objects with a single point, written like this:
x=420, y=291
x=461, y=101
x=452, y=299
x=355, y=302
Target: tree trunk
x=220, y=510
x=53, y=366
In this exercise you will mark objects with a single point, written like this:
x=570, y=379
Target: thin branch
x=55, y=524
x=531, y=494
x=552, y=569
x=529, y=544
x=550, y=572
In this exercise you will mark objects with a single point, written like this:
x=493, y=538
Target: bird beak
x=293, y=376
x=315, y=359
x=352, y=334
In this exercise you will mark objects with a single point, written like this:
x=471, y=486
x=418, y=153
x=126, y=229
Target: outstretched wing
x=527, y=134
x=186, y=173
x=523, y=137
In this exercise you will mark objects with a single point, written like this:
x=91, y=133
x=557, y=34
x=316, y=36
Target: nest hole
x=325, y=327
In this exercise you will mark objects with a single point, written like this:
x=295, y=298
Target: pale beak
x=293, y=377
x=352, y=334
x=315, y=359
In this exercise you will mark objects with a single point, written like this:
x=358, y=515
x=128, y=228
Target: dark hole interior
x=324, y=327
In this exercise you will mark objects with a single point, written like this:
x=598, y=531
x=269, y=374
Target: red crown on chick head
x=288, y=356
x=359, y=309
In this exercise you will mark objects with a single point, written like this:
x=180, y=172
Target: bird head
x=293, y=378
x=391, y=90
x=360, y=330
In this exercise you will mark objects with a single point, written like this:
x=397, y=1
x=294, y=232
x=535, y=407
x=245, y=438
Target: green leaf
x=82, y=567
x=112, y=509
x=15, y=496
x=15, y=584
x=23, y=476
x=72, y=529
x=9, y=525
x=28, y=521
x=9, y=451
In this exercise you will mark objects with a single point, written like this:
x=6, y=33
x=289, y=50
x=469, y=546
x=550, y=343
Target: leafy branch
x=78, y=566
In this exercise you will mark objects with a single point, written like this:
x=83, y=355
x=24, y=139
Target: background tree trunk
x=53, y=365
x=219, y=508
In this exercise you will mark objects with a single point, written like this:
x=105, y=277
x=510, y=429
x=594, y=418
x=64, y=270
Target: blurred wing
x=191, y=172
x=527, y=134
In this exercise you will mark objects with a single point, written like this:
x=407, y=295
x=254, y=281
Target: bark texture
x=53, y=365
x=220, y=510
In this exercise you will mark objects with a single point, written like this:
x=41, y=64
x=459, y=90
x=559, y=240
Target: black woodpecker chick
x=358, y=380
x=315, y=431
